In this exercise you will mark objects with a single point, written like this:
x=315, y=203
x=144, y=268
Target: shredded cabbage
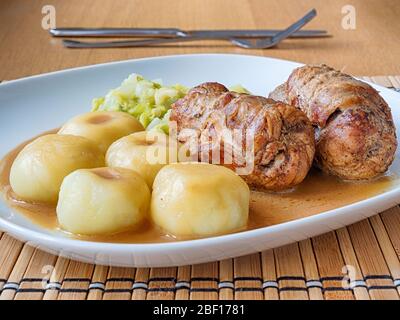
x=146, y=100
x=239, y=89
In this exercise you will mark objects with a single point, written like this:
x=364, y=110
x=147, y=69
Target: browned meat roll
x=355, y=133
x=282, y=146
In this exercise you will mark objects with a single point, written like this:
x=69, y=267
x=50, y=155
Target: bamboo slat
x=290, y=274
x=204, y=281
x=56, y=279
x=75, y=285
x=372, y=262
x=34, y=282
x=311, y=270
x=355, y=275
x=391, y=219
x=226, y=284
x=9, y=252
x=162, y=284
x=330, y=264
x=247, y=279
x=395, y=81
x=97, y=286
x=118, y=285
x=11, y=287
x=386, y=247
x=183, y=283
x=139, y=288
x=270, y=284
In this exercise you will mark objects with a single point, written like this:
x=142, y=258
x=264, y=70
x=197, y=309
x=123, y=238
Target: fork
x=265, y=43
x=262, y=43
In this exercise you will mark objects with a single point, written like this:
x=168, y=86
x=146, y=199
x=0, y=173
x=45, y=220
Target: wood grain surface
x=372, y=48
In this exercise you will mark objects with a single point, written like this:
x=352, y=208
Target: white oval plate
x=32, y=105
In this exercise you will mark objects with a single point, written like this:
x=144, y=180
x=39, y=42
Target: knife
x=174, y=32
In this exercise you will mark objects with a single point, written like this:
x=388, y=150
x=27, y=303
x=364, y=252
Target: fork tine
x=295, y=26
x=271, y=42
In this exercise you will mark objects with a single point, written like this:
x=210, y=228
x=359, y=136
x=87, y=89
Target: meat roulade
x=355, y=134
x=282, y=138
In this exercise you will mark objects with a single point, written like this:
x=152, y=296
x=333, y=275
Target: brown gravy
x=317, y=193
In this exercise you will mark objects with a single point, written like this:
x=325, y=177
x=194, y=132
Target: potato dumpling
x=103, y=127
x=102, y=201
x=40, y=167
x=199, y=199
x=144, y=152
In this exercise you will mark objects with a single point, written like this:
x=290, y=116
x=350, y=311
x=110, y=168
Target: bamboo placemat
x=367, y=253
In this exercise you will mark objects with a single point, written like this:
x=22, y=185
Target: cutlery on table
x=173, y=32
x=238, y=40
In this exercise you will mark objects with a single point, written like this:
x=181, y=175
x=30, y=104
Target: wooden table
x=372, y=49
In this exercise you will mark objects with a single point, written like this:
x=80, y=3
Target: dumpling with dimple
x=145, y=152
x=199, y=199
x=102, y=201
x=39, y=169
x=103, y=127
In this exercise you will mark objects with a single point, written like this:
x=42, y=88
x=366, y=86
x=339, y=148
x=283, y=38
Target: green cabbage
x=144, y=99
x=239, y=89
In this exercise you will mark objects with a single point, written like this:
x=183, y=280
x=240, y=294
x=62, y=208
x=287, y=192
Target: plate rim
x=6, y=82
